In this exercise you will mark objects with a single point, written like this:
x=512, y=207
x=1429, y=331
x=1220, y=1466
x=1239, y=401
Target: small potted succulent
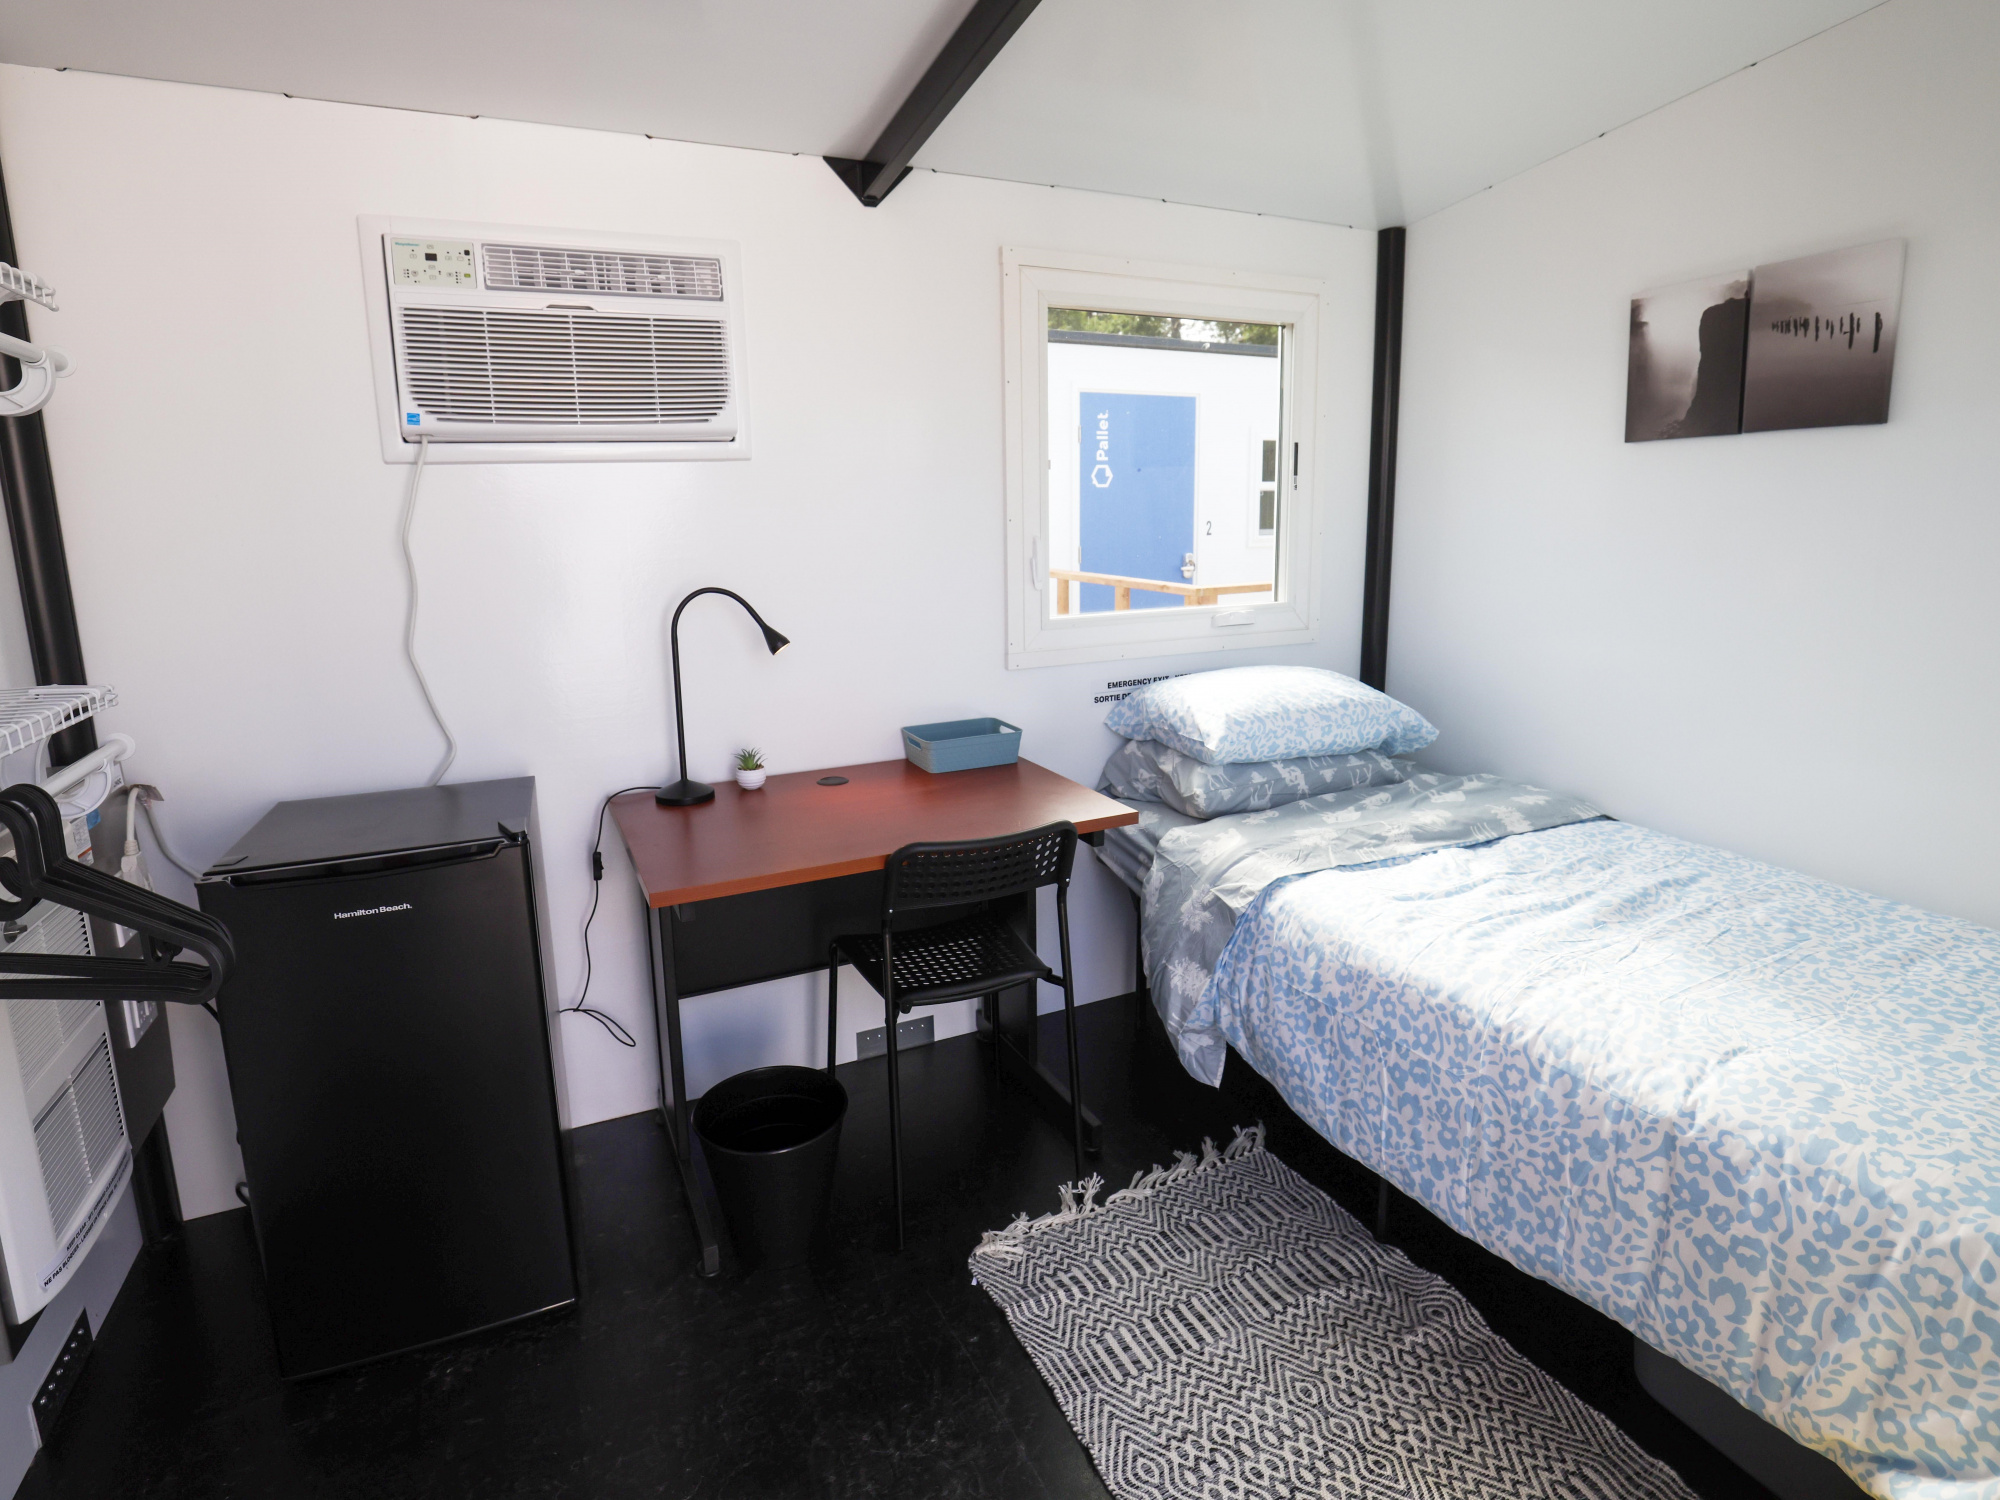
x=749, y=769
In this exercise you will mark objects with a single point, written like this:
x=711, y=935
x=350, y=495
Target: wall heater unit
x=64, y=1148
x=507, y=345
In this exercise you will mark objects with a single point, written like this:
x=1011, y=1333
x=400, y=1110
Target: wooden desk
x=756, y=885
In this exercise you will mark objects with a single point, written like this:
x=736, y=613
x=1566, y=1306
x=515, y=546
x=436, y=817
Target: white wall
x=232, y=527
x=1786, y=644
x=17, y=666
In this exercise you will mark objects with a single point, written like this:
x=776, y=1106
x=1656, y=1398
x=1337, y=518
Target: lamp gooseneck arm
x=680, y=720
x=674, y=643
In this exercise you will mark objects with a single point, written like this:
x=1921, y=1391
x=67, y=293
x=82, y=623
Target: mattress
x=1128, y=852
x=1753, y=1116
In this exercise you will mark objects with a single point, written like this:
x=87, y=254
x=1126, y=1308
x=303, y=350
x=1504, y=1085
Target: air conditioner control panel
x=414, y=262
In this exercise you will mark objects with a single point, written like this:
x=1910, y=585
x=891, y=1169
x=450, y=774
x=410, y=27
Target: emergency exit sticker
x=1125, y=687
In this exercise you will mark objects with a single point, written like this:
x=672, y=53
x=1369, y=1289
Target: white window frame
x=1033, y=281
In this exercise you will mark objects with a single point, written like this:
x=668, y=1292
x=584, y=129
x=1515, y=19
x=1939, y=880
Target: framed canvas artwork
x=1797, y=343
x=1823, y=339
x=1684, y=371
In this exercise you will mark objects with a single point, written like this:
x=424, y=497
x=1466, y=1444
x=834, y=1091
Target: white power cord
x=160, y=839
x=132, y=867
x=410, y=629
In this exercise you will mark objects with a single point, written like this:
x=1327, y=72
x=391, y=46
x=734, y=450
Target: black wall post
x=35, y=527
x=1382, y=456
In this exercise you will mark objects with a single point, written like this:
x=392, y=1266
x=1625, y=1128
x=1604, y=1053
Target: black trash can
x=772, y=1136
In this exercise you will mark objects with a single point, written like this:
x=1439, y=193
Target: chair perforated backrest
x=930, y=875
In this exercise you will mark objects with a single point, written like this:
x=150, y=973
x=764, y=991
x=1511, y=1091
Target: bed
x=1752, y=1116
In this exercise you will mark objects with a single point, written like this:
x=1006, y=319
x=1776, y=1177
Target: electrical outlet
x=62, y=1377
x=920, y=1032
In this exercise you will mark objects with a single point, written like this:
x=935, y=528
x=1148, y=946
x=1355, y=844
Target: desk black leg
x=1017, y=1047
x=695, y=1183
x=1050, y=1094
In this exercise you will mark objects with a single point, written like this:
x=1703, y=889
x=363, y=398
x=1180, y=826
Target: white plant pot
x=751, y=780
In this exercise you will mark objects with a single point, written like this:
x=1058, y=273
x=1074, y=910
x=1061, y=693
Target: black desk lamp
x=685, y=793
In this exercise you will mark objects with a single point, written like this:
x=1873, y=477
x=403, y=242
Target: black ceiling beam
x=985, y=30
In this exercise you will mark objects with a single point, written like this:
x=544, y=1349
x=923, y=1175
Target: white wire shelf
x=30, y=715
x=24, y=286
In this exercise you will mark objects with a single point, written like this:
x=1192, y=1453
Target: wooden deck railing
x=1192, y=594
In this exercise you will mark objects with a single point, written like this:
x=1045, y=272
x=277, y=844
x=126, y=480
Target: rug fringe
x=1079, y=1199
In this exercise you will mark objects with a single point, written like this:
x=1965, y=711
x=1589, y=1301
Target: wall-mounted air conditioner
x=507, y=345
x=64, y=1152
x=63, y=1149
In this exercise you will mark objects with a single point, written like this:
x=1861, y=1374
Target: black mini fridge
x=387, y=1040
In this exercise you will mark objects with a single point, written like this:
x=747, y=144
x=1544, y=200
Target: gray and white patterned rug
x=1222, y=1328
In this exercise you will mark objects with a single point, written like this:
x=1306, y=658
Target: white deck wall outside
x=1236, y=409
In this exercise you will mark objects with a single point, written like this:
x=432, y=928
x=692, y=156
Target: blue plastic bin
x=962, y=744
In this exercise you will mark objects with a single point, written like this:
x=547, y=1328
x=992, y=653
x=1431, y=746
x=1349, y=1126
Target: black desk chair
x=976, y=955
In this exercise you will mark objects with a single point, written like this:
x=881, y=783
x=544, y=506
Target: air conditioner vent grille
x=554, y=367
x=65, y=1169
x=38, y=1035
x=80, y=1136
x=42, y=1028
x=543, y=268
x=96, y=1087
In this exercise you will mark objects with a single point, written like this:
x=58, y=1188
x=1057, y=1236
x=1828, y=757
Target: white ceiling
x=1364, y=112
x=818, y=76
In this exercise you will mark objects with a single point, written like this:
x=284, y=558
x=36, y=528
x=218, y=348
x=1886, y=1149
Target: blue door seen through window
x=1136, y=485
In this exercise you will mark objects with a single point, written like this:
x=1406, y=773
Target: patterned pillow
x=1145, y=770
x=1246, y=714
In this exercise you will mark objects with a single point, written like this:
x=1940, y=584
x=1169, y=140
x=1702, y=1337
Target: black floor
x=871, y=1374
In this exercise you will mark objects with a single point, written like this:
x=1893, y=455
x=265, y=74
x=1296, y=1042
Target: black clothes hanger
x=41, y=869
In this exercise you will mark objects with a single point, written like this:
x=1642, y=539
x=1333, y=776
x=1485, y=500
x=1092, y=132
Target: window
x=1159, y=496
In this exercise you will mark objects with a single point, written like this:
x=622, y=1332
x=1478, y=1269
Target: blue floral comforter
x=1752, y=1116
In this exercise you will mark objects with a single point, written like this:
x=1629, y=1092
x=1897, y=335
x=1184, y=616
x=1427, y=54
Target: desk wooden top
x=793, y=830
